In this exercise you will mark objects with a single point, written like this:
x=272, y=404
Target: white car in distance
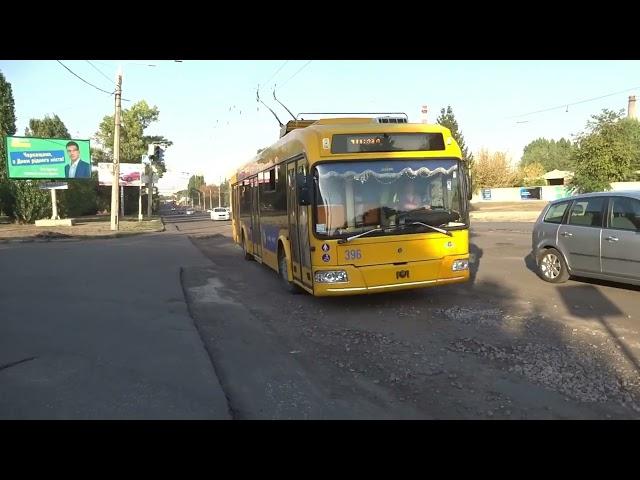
x=220, y=213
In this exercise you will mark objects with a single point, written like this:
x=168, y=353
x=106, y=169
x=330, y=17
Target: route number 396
x=353, y=254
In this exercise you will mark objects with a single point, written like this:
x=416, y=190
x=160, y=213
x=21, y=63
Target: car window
x=587, y=212
x=625, y=214
x=556, y=212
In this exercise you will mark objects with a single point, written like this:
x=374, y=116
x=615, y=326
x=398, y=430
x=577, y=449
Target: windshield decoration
x=407, y=172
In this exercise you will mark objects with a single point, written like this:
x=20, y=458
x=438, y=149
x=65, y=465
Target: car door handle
x=566, y=234
x=611, y=239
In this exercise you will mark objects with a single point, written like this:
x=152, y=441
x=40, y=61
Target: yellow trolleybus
x=343, y=206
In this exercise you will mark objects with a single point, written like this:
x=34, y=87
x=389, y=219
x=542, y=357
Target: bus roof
x=314, y=139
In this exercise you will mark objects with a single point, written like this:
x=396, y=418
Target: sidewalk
x=525, y=211
x=100, y=330
x=96, y=226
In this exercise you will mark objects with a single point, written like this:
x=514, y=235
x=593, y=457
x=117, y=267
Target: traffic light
x=158, y=154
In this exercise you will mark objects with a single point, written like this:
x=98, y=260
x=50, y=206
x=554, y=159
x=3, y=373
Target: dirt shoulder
x=98, y=226
x=506, y=211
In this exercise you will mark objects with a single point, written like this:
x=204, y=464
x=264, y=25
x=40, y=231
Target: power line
x=100, y=71
x=299, y=70
x=76, y=75
x=281, y=67
x=567, y=105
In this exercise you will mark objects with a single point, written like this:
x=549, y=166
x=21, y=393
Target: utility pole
x=150, y=191
x=219, y=189
x=116, y=156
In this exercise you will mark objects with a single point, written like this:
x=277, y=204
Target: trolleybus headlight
x=460, y=265
x=331, y=276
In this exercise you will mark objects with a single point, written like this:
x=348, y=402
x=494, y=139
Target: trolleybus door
x=303, y=230
x=292, y=215
x=255, y=219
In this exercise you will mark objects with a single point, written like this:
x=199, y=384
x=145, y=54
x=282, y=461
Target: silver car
x=592, y=235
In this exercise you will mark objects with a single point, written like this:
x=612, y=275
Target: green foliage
x=196, y=182
x=81, y=198
x=21, y=200
x=609, y=151
x=447, y=119
x=550, y=154
x=7, y=128
x=133, y=141
x=48, y=127
x=133, y=120
x=27, y=202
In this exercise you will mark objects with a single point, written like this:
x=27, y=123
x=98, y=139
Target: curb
x=77, y=238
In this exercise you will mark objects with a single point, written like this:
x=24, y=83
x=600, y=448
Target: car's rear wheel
x=552, y=267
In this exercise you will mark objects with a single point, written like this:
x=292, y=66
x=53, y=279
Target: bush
x=24, y=202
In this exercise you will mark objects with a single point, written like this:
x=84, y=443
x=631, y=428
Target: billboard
x=48, y=158
x=130, y=174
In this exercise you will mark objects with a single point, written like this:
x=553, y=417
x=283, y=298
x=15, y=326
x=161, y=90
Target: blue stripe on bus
x=270, y=237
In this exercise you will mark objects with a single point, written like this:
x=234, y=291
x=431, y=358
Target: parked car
x=190, y=211
x=593, y=235
x=220, y=213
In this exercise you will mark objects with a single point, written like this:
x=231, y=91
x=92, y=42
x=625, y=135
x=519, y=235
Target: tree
x=608, y=151
x=133, y=141
x=225, y=196
x=30, y=203
x=7, y=128
x=133, y=144
x=196, y=182
x=48, y=127
x=531, y=175
x=493, y=170
x=21, y=200
x=447, y=119
x=550, y=154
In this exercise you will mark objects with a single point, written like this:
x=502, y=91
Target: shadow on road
x=600, y=308
x=475, y=254
x=530, y=263
x=396, y=342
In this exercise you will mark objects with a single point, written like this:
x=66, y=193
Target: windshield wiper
x=348, y=239
x=437, y=229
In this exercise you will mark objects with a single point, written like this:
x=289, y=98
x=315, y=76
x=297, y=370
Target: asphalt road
x=99, y=329
x=506, y=345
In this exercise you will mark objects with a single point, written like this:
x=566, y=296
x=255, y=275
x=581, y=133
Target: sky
x=208, y=108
